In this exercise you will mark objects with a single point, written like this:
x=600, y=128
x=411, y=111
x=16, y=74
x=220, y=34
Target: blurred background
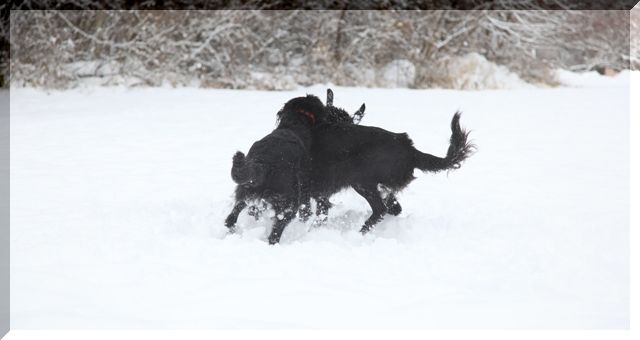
x=276, y=50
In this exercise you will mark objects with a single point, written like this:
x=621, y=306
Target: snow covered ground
x=118, y=199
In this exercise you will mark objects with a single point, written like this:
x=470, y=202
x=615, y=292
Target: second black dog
x=277, y=167
x=369, y=159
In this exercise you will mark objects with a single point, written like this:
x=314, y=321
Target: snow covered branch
x=282, y=49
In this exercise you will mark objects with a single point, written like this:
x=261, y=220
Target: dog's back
x=354, y=155
x=271, y=165
x=346, y=155
x=280, y=147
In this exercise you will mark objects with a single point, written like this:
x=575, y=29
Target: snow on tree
x=283, y=49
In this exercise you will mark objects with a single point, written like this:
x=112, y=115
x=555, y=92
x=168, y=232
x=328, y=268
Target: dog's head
x=308, y=110
x=338, y=115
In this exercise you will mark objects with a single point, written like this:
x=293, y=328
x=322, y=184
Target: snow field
x=118, y=199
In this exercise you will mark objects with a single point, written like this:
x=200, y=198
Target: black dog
x=333, y=115
x=368, y=158
x=277, y=167
x=338, y=115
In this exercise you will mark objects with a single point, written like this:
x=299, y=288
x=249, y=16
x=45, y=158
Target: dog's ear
x=329, y=97
x=357, y=116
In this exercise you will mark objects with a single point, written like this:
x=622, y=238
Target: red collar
x=309, y=114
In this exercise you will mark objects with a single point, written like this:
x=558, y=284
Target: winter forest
x=279, y=50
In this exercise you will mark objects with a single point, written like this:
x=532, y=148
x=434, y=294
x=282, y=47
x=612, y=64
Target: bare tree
x=282, y=49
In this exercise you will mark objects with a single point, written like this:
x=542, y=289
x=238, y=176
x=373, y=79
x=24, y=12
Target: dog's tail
x=246, y=173
x=239, y=173
x=459, y=150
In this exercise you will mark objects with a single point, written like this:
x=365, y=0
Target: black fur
x=277, y=168
x=366, y=158
x=333, y=115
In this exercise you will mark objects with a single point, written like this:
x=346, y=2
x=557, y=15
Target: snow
x=591, y=79
x=474, y=72
x=398, y=73
x=118, y=198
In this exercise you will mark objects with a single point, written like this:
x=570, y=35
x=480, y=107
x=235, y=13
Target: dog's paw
x=232, y=230
x=230, y=222
x=273, y=240
x=365, y=229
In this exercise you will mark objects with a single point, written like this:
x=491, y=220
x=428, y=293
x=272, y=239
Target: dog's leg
x=322, y=209
x=392, y=205
x=283, y=217
x=371, y=194
x=323, y=205
x=304, y=198
x=231, y=220
x=305, y=211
